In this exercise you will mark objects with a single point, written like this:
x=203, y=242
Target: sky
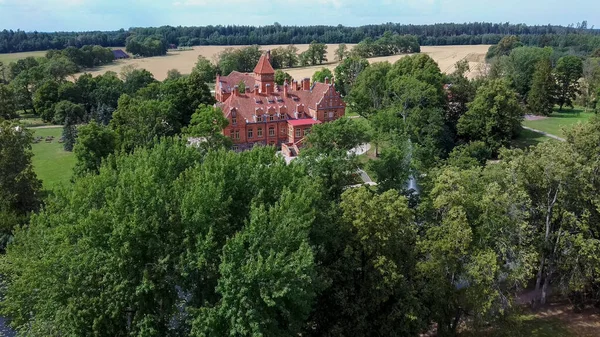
x=83, y=15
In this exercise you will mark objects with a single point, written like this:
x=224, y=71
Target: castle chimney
x=236, y=91
x=326, y=80
x=285, y=89
x=256, y=92
x=306, y=84
x=268, y=88
x=269, y=55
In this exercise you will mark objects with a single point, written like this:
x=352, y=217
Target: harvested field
x=184, y=61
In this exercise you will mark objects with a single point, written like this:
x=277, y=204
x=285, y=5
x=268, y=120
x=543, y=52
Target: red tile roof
x=263, y=66
x=226, y=83
x=303, y=122
x=246, y=104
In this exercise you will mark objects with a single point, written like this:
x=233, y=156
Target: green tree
x=504, y=47
x=173, y=74
x=68, y=112
x=240, y=59
x=368, y=95
x=19, y=186
x=284, y=57
x=494, y=117
x=342, y=134
x=208, y=122
x=347, y=72
x=341, y=52
x=138, y=122
x=268, y=271
x=45, y=98
x=520, y=65
x=321, y=75
x=380, y=290
x=392, y=170
x=540, y=99
x=470, y=155
x=568, y=71
x=461, y=91
x=8, y=107
x=281, y=77
x=476, y=247
x=135, y=79
x=205, y=70
x=94, y=143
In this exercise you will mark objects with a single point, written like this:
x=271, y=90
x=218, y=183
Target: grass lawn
x=30, y=121
x=529, y=138
x=51, y=163
x=559, y=120
x=13, y=57
x=526, y=326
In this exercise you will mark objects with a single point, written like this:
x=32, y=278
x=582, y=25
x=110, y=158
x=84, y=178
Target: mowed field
x=445, y=56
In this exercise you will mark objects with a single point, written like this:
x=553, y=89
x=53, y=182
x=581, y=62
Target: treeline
x=545, y=77
x=437, y=34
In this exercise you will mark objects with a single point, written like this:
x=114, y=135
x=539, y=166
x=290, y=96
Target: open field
x=13, y=57
x=184, y=61
x=558, y=121
x=52, y=164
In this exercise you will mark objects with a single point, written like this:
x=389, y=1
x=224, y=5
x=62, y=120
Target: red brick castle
x=269, y=114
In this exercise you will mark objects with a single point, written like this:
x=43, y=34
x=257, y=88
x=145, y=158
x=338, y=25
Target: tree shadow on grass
x=528, y=138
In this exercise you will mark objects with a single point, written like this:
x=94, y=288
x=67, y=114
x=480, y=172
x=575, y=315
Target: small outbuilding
x=120, y=54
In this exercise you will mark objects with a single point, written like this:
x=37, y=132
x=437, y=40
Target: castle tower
x=264, y=74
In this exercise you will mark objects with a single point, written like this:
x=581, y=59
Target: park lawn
x=529, y=138
x=527, y=325
x=52, y=164
x=558, y=120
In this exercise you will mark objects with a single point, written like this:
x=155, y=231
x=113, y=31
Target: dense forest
x=579, y=36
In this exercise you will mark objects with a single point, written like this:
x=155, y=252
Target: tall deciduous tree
x=322, y=75
x=494, y=117
x=341, y=52
x=476, y=247
x=368, y=95
x=8, y=107
x=347, y=72
x=208, y=123
x=138, y=122
x=569, y=70
x=94, y=143
x=541, y=97
x=19, y=186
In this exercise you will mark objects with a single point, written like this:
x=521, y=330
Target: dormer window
x=258, y=119
x=271, y=118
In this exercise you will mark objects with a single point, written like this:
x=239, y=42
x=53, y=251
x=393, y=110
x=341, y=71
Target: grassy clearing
x=529, y=138
x=558, y=121
x=52, y=164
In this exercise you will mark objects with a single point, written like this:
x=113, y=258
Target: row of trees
x=86, y=56
x=147, y=46
x=388, y=44
x=436, y=34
